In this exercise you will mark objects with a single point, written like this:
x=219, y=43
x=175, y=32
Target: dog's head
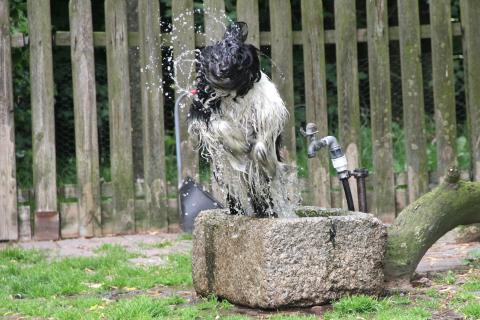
x=230, y=64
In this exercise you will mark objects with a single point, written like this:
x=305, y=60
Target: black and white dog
x=238, y=116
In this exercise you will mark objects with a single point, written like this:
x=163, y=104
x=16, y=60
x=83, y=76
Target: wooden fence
x=92, y=208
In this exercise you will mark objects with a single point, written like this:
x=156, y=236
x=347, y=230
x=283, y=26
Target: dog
x=238, y=116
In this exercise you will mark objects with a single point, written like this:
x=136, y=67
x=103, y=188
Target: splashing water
x=182, y=72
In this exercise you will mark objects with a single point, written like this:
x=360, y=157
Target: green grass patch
x=366, y=307
x=473, y=259
x=461, y=298
x=471, y=310
x=185, y=236
x=293, y=317
x=446, y=278
x=356, y=304
x=156, y=245
x=433, y=293
x=29, y=274
x=472, y=285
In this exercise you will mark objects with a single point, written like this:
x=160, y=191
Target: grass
x=471, y=310
x=29, y=274
x=473, y=259
x=447, y=278
x=157, y=245
x=367, y=307
x=108, y=286
x=185, y=236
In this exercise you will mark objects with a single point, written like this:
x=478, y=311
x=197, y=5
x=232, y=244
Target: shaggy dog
x=238, y=115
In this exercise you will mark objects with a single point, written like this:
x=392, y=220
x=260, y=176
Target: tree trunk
x=424, y=221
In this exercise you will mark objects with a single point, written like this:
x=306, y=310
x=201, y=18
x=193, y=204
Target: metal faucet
x=339, y=160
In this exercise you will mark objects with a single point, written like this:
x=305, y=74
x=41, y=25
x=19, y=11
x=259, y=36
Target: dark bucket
x=194, y=199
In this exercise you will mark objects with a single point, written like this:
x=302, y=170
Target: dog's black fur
x=229, y=66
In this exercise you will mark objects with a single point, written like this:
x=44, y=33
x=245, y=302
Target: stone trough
x=272, y=263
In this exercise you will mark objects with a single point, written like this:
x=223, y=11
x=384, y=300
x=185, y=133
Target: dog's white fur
x=240, y=142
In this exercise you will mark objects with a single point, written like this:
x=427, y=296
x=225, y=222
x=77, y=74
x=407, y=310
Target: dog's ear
x=237, y=30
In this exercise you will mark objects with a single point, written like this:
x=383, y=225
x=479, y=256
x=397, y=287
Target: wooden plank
x=18, y=40
x=108, y=222
x=443, y=85
x=401, y=192
x=316, y=97
x=123, y=214
x=214, y=17
x=62, y=38
x=106, y=189
x=282, y=74
x=8, y=185
x=23, y=196
x=248, y=11
x=141, y=215
x=25, y=228
x=183, y=30
x=43, y=121
x=68, y=191
x=70, y=219
x=347, y=84
x=336, y=193
x=380, y=108
x=412, y=96
x=153, y=119
x=135, y=90
x=85, y=109
x=470, y=11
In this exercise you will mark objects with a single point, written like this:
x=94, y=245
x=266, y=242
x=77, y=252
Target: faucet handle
x=311, y=129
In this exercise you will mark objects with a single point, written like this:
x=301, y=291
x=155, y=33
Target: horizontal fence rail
x=62, y=38
x=143, y=200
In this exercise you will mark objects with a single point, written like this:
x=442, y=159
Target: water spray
x=339, y=162
x=193, y=196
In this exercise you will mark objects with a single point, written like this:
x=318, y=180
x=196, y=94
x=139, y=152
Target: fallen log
x=454, y=202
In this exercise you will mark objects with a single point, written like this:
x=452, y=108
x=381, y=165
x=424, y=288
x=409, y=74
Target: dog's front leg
x=233, y=139
x=265, y=156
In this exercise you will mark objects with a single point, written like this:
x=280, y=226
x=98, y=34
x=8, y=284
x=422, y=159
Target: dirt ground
x=446, y=254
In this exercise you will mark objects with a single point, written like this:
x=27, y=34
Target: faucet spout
x=313, y=147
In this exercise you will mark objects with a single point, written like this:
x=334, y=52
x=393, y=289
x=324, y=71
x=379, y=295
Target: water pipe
x=360, y=175
x=177, y=133
x=339, y=160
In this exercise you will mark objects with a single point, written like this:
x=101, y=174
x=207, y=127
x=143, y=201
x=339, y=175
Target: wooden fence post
x=247, y=11
x=47, y=224
x=184, y=46
x=282, y=72
x=470, y=13
x=8, y=185
x=381, y=109
x=316, y=97
x=443, y=84
x=152, y=114
x=86, y=135
x=214, y=20
x=412, y=96
x=135, y=96
x=123, y=214
x=347, y=83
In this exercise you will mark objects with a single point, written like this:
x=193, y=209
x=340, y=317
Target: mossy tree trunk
x=424, y=221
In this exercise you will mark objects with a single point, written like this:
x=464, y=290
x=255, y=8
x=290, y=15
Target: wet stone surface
x=274, y=263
